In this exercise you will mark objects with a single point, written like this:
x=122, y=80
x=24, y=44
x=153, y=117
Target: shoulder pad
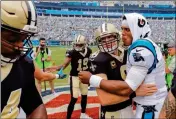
x=101, y=57
x=69, y=52
x=141, y=56
x=143, y=53
x=27, y=59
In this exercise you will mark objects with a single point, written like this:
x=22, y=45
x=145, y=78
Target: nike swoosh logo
x=139, y=50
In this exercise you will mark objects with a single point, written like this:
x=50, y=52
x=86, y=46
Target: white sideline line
x=64, y=108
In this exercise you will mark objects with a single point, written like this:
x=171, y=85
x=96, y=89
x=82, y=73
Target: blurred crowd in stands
x=64, y=28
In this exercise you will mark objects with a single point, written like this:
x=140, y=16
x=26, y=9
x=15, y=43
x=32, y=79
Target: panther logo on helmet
x=107, y=37
x=79, y=43
x=18, y=18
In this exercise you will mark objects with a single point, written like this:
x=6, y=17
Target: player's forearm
x=46, y=76
x=62, y=66
x=65, y=65
x=116, y=87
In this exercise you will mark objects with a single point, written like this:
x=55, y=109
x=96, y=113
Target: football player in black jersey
x=18, y=22
x=109, y=63
x=78, y=57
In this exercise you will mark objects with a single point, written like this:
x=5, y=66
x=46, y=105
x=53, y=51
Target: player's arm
x=141, y=59
x=108, y=87
x=115, y=86
x=132, y=83
x=66, y=62
x=57, y=68
x=168, y=110
x=31, y=101
x=44, y=76
x=134, y=79
x=69, y=55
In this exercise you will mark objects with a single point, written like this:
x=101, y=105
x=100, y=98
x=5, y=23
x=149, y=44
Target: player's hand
x=84, y=76
x=146, y=90
x=61, y=74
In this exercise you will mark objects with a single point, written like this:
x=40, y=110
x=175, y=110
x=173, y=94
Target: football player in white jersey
x=145, y=65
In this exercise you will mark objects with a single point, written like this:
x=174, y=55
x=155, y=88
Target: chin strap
x=5, y=60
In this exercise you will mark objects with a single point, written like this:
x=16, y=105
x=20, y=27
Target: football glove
x=61, y=74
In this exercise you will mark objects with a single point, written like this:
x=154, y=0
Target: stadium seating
x=64, y=28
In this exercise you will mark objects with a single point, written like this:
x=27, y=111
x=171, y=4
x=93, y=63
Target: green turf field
x=58, y=56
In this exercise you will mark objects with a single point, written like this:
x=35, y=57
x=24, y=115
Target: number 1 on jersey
x=82, y=64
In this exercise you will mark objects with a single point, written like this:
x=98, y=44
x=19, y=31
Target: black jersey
x=104, y=63
x=79, y=60
x=18, y=90
x=109, y=65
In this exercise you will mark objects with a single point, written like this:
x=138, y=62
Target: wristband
x=57, y=76
x=132, y=95
x=95, y=81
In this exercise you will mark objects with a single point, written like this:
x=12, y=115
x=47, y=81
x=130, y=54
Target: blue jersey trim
x=146, y=44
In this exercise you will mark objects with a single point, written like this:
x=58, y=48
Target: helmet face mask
x=107, y=39
x=108, y=43
x=15, y=45
x=79, y=47
x=18, y=24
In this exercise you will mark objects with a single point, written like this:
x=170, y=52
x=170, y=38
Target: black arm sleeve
x=30, y=99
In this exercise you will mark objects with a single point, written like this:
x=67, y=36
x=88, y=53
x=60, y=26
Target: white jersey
x=145, y=53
